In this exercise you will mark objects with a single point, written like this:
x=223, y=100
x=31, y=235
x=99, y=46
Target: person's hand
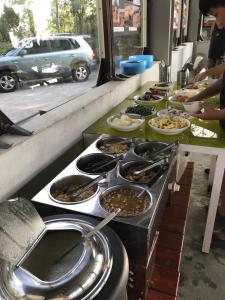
x=200, y=76
x=207, y=114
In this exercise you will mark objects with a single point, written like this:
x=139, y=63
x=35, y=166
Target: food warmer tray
x=136, y=232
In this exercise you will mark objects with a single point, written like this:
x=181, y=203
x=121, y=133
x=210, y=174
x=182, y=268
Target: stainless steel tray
x=92, y=206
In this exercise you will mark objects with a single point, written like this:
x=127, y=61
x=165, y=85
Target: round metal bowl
x=124, y=168
x=152, y=147
x=133, y=188
x=85, y=163
x=80, y=275
x=113, y=140
x=63, y=185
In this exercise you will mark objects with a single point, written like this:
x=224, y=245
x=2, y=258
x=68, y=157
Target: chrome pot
x=83, y=274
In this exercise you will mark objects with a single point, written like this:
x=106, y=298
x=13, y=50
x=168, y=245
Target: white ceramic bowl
x=167, y=131
x=131, y=127
x=192, y=107
x=147, y=102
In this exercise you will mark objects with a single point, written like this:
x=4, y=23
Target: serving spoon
x=92, y=232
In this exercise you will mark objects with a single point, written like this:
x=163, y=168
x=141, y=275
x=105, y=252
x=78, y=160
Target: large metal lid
x=80, y=275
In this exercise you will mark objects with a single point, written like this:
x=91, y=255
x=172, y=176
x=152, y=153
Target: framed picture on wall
x=126, y=16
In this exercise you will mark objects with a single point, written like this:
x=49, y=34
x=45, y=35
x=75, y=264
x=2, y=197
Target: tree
x=9, y=21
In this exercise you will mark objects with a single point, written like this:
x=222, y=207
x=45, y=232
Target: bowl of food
x=126, y=172
x=148, y=99
x=181, y=97
x=96, y=163
x=192, y=107
x=141, y=110
x=125, y=198
x=169, y=125
x=149, y=150
x=125, y=122
x=113, y=145
x=173, y=112
x=164, y=86
x=63, y=189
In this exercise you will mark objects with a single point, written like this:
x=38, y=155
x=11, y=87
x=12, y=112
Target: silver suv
x=37, y=60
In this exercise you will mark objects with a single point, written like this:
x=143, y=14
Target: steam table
x=205, y=137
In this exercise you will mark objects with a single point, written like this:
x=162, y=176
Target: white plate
x=147, y=102
x=172, y=131
x=126, y=128
x=154, y=112
x=173, y=112
x=165, y=88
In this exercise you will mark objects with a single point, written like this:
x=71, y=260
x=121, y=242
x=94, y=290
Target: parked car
x=40, y=59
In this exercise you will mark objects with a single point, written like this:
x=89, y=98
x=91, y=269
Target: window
x=36, y=36
x=127, y=27
x=60, y=45
x=37, y=47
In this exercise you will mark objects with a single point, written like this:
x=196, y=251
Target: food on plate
x=162, y=84
x=140, y=178
x=125, y=120
x=173, y=112
x=125, y=199
x=181, y=98
x=192, y=86
x=168, y=122
x=158, y=91
x=65, y=193
x=140, y=110
x=149, y=96
x=114, y=148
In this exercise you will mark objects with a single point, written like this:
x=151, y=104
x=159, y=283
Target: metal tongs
x=84, y=187
x=168, y=147
x=140, y=170
x=87, y=236
x=110, y=143
x=103, y=164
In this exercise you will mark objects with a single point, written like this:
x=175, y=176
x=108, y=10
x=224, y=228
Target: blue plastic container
x=148, y=58
x=133, y=67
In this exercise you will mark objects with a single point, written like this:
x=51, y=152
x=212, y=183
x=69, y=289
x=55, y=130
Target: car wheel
x=8, y=82
x=80, y=73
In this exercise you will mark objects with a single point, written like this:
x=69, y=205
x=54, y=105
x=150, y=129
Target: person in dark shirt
x=217, y=46
x=215, y=8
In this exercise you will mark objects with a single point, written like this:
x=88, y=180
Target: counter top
x=201, y=132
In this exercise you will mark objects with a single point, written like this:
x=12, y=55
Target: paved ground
x=202, y=275
x=27, y=101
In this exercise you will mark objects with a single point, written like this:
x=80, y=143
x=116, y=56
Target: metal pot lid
x=80, y=275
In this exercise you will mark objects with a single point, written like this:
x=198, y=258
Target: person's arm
x=215, y=71
x=211, y=91
x=211, y=114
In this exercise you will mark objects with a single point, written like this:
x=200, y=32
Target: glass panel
x=176, y=21
x=207, y=27
x=48, y=44
x=127, y=27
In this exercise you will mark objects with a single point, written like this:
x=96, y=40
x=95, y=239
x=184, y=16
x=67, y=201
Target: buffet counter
x=204, y=137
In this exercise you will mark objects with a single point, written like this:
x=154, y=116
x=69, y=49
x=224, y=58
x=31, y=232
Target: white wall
x=56, y=131
x=179, y=58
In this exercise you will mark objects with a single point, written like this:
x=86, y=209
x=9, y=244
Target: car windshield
x=10, y=52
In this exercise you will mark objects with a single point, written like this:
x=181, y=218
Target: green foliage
x=9, y=20
x=73, y=16
x=26, y=26
x=5, y=46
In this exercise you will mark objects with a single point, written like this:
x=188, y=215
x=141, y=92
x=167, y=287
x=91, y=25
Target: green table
x=201, y=133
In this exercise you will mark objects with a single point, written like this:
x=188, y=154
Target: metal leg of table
x=213, y=204
x=212, y=170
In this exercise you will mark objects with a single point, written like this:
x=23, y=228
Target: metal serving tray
x=134, y=231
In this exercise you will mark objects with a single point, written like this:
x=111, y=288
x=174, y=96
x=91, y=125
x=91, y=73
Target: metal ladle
x=98, y=227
